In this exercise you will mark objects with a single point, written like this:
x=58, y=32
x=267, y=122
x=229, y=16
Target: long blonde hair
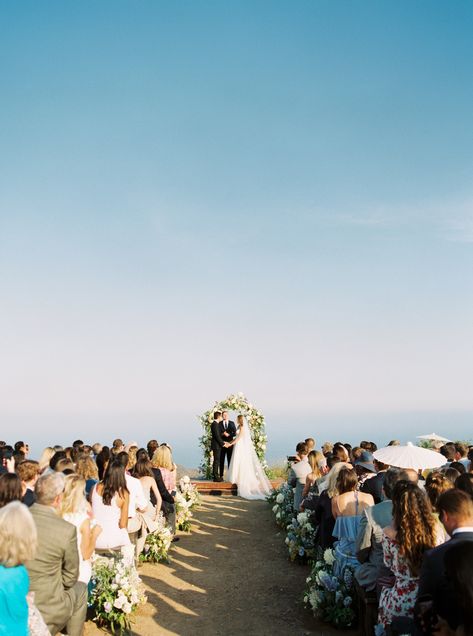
x=87, y=468
x=332, y=489
x=162, y=458
x=18, y=536
x=314, y=459
x=73, y=499
x=46, y=455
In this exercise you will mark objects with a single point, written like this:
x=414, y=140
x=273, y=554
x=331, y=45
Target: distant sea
x=182, y=431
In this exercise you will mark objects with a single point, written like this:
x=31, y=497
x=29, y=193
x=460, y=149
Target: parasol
x=409, y=456
x=434, y=437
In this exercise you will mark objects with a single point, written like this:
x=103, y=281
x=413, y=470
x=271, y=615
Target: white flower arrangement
x=234, y=402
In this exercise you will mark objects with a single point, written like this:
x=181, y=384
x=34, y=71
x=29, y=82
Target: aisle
x=229, y=576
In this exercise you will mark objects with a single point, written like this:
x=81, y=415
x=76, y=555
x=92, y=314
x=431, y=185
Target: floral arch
x=239, y=404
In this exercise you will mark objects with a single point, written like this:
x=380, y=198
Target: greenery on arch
x=239, y=404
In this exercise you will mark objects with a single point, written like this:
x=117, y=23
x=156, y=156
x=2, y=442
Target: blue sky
x=206, y=197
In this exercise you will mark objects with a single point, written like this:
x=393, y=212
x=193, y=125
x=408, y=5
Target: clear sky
x=202, y=197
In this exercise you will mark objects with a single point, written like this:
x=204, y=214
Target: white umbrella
x=409, y=456
x=434, y=437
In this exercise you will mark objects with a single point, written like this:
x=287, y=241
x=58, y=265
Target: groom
x=217, y=444
x=228, y=432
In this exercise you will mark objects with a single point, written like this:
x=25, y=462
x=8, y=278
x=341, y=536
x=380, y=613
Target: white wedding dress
x=245, y=468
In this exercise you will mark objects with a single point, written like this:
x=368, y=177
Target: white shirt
x=137, y=497
x=301, y=470
x=462, y=529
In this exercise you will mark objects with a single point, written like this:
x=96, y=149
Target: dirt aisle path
x=229, y=576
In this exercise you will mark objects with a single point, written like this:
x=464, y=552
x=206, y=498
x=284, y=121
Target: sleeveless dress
x=246, y=470
x=345, y=531
x=85, y=567
x=14, y=584
x=108, y=517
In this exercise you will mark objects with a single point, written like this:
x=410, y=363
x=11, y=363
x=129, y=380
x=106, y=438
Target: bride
x=245, y=468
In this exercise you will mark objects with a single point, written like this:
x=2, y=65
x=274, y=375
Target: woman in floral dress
x=414, y=530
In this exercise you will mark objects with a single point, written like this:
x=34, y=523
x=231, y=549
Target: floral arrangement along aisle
x=239, y=404
x=300, y=538
x=157, y=543
x=186, y=500
x=331, y=598
x=282, y=502
x=116, y=593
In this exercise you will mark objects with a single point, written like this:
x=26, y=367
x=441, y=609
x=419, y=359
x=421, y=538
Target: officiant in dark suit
x=228, y=433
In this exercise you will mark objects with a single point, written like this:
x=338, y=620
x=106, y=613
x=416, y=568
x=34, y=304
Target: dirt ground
x=229, y=576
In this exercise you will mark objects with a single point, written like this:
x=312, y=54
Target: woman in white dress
x=245, y=468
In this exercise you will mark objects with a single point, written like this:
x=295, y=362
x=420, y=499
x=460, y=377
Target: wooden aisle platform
x=207, y=487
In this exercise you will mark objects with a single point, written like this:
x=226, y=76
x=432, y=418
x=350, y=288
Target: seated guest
x=298, y=474
x=75, y=509
x=365, y=469
x=163, y=460
x=65, y=466
x=374, y=485
x=45, y=458
x=451, y=474
x=327, y=448
x=137, y=501
x=458, y=569
x=96, y=448
x=465, y=483
x=17, y=545
x=102, y=460
x=323, y=516
x=435, y=484
x=144, y=472
x=310, y=443
x=10, y=488
x=456, y=513
x=458, y=466
x=461, y=455
x=413, y=531
x=28, y=472
x=347, y=508
x=317, y=462
x=368, y=546
x=58, y=455
x=341, y=452
x=87, y=469
x=54, y=572
x=151, y=447
x=167, y=505
x=110, y=502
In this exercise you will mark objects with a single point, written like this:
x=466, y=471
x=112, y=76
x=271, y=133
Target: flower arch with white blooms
x=238, y=403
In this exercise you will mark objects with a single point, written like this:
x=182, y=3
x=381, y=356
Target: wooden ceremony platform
x=222, y=487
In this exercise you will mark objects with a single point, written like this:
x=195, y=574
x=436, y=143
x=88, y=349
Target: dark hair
x=391, y=477
x=435, y=484
x=448, y=452
x=123, y=458
x=143, y=467
x=465, y=482
x=302, y=448
x=458, y=466
x=10, y=488
x=101, y=460
x=461, y=448
x=78, y=442
x=141, y=453
x=56, y=457
x=217, y=414
x=113, y=482
x=19, y=445
x=331, y=460
x=458, y=562
x=346, y=480
x=151, y=446
x=456, y=502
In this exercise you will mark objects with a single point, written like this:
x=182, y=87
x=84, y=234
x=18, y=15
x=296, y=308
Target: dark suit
x=226, y=452
x=434, y=582
x=374, y=486
x=54, y=571
x=216, y=445
x=168, y=507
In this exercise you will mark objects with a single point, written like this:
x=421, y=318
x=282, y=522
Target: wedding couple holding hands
x=244, y=467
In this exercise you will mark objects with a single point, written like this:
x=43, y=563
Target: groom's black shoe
x=218, y=478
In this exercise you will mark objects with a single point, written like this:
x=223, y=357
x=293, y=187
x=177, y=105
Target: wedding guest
x=65, y=466
x=374, y=485
x=21, y=447
x=394, y=442
x=137, y=500
x=458, y=569
x=435, y=484
x=54, y=572
x=18, y=541
x=347, y=507
x=461, y=455
x=152, y=446
x=110, y=502
x=117, y=447
x=341, y=452
x=10, y=488
x=456, y=513
x=413, y=531
x=298, y=474
x=368, y=546
x=58, y=455
x=310, y=443
x=102, y=460
x=163, y=461
x=75, y=509
x=323, y=516
x=167, y=506
x=458, y=466
x=316, y=462
x=144, y=472
x=28, y=472
x=45, y=458
x=465, y=483
x=327, y=448
x=96, y=448
x=365, y=469
x=87, y=469
x=451, y=474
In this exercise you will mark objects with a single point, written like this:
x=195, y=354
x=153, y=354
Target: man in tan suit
x=60, y=598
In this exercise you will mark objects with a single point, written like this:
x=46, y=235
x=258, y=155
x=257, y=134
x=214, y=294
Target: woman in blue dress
x=17, y=545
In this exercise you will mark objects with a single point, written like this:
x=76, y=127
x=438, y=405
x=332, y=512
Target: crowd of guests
x=57, y=511
x=406, y=534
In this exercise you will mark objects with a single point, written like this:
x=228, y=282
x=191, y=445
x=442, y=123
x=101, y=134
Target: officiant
x=228, y=433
